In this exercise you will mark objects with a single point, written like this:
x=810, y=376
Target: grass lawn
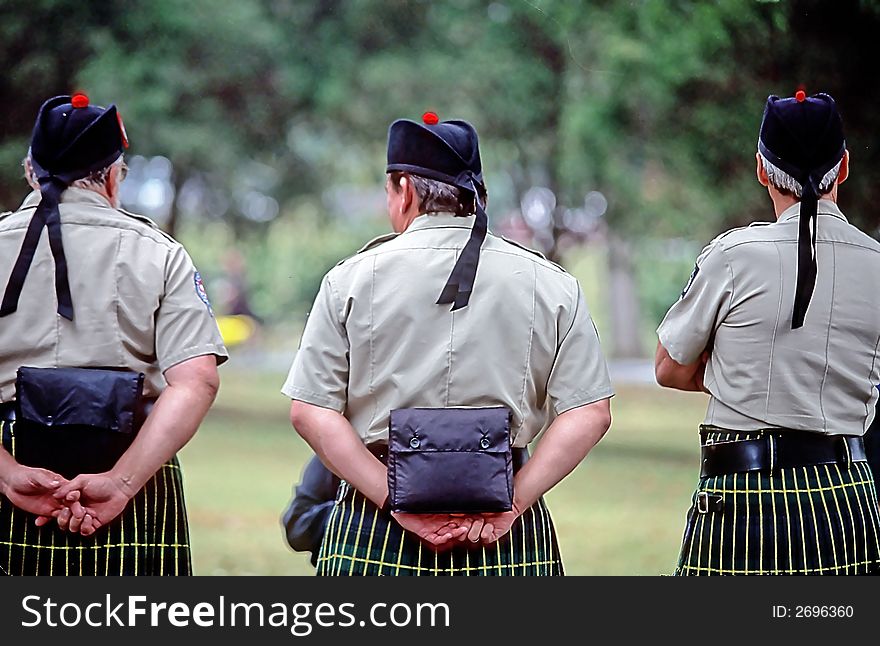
x=621, y=512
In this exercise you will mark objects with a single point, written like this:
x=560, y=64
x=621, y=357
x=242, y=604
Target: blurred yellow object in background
x=236, y=328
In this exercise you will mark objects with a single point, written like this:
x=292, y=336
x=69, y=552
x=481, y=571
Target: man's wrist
x=7, y=464
x=125, y=482
x=518, y=506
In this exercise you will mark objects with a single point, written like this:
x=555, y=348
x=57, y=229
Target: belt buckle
x=702, y=502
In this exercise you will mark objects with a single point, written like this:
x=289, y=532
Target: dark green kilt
x=361, y=540
x=820, y=519
x=150, y=537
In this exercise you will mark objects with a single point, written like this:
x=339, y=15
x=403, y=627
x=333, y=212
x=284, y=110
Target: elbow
x=299, y=412
x=662, y=376
x=598, y=418
x=603, y=421
x=206, y=381
x=211, y=384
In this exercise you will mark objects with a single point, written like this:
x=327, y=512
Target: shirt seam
x=378, y=251
x=583, y=397
x=573, y=307
x=120, y=343
x=155, y=235
x=773, y=339
x=295, y=392
x=873, y=361
x=449, y=356
x=217, y=349
x=372, y=355
x=730, y=300
x=522, y=399
x=334, y=295
x=828, y=341
x=728, y=247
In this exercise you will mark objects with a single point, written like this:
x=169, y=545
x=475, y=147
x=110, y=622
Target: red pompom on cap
x=800, y=95
x=431, y=118
x=79, y=100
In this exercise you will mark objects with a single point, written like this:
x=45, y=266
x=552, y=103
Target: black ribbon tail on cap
x=806, y=259
x=46, y=215
x=460, y=283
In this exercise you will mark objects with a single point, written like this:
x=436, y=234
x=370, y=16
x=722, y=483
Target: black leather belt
x=780, y=450
x=519, y=455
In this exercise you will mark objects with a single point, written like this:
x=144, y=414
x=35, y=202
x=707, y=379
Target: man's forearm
x=671, y=374
x=332, y=437
x=7, y=463
x=173, y=421
x=564, y=445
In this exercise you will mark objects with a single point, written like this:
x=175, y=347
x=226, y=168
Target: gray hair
x=94, y=179
x=435, y=196
x=97, y=179
x=788, y=184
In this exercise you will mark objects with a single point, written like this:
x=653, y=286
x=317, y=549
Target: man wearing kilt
x=516, y=334
x=780, y=324
x=108, y=363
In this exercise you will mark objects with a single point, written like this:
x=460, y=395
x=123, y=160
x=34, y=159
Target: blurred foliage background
x=259, y=125
x=617, y=136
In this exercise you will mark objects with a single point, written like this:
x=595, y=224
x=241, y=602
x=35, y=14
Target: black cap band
x=803, y=137
x=71, y=140
x=461, y=280
x=46, y=215
x=806, y=253
x=446, y=152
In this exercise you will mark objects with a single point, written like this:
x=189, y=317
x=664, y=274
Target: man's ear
x=111, y=184
x=844, y=168
x=29, y=174
x=409, y=194
x=763, y=180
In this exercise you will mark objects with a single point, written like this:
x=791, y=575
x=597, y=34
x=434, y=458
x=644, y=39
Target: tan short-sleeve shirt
x=738, y=305
x=138, y=300
x=375, y=340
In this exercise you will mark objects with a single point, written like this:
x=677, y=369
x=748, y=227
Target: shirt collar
x=825, y=207
x=84, y=196
x=72, y=194
x=31, y=200
x=441, y=221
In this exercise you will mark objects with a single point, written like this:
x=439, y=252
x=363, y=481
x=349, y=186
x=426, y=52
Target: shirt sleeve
x=580, y=374
x=319, y=373
x=185, y=325
x=689, y=325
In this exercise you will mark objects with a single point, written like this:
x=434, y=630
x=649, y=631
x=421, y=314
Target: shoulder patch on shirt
x=690, y=280
x=201, y=292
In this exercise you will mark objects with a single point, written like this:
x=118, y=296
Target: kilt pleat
x=818, y=519
x=360, y=540
x=150, y=537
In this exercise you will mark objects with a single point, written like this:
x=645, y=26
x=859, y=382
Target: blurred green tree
x=655, y=104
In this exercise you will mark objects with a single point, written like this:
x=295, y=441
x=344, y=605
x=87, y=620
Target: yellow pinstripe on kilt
x=150, y=537
x=360, y=540
x=820, y=519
